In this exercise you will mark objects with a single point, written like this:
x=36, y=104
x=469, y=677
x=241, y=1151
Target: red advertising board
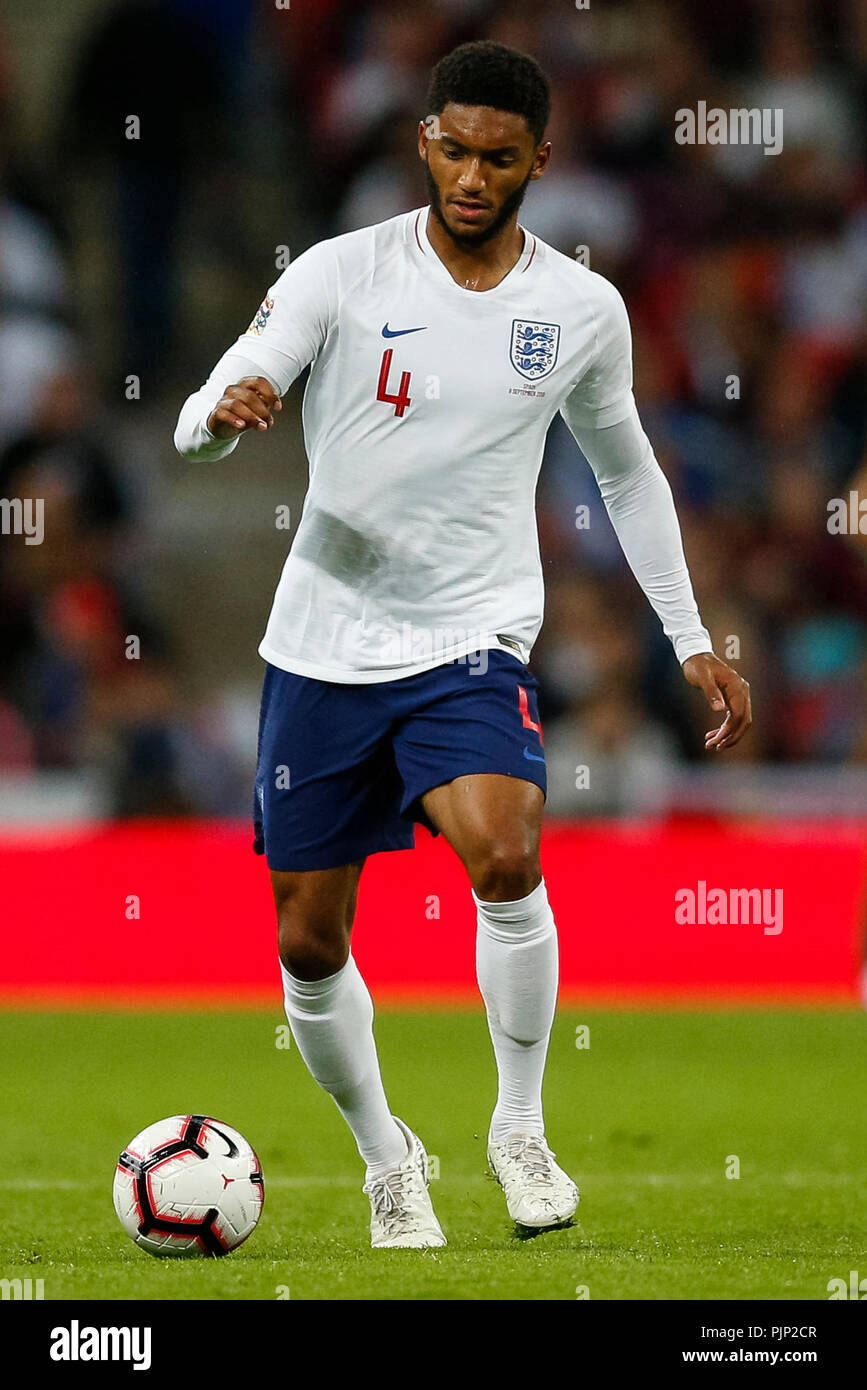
x=676, y=913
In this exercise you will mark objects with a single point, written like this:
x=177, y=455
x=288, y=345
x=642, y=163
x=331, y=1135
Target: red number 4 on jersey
x=401, y=400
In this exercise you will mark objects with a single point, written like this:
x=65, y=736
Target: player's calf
x=315, y=912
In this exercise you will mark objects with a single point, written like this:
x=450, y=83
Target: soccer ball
x=189, y=1185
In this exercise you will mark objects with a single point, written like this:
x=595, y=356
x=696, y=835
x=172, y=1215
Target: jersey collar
x=427, y=257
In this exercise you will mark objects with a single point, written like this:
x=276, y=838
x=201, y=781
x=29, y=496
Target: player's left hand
x=724, y=689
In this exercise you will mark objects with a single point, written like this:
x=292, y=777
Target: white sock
x=517, y=966
x=332, y=1023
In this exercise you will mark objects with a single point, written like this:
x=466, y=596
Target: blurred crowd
x=745, y=275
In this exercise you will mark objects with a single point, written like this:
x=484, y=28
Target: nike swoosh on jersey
x=399, y=332
x=534, y=757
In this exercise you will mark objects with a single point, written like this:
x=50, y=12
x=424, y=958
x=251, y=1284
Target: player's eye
x=452, y=154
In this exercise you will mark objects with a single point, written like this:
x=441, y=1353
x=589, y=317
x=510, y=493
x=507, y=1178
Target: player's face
x=478, y=167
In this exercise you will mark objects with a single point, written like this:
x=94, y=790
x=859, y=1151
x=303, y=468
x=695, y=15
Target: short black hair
x=483, y=73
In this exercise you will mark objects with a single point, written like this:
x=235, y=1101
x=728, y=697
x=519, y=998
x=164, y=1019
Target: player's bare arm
x=249, y=405
x=723, y=689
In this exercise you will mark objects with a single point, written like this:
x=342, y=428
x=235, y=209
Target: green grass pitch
x=647, y=1119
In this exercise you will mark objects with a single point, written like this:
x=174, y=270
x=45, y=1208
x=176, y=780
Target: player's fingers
x=263, y=388
x=239, y=415
x=250, y=398
x=740, y=709
x=243, y=395
x=730, y=732
x=715, y=737
x=737, y=732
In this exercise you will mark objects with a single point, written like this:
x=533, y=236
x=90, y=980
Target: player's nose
x=471, y=176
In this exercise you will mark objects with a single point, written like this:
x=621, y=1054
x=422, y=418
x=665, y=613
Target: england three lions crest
x=534, y=348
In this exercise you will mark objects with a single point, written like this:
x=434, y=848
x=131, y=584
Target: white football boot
x=401, y=1214
x=538, y=1192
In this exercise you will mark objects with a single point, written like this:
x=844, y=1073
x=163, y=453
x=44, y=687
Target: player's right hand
x=246, y=406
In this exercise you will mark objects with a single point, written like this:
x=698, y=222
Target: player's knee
x=312, y=960
x=506, y=871
x=310, y=948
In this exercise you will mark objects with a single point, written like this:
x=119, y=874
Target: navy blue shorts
x=341, y=768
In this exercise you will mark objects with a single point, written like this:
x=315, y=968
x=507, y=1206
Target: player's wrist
x=689, y=644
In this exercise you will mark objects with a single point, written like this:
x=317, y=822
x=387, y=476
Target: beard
x=470, y=239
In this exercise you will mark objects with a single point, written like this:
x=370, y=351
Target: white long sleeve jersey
x=425, y=416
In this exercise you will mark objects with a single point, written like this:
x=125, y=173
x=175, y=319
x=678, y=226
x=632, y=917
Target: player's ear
x=540, y=160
